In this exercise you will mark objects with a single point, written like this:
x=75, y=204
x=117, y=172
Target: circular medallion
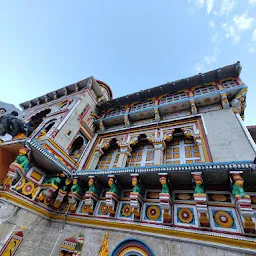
x=219, y=197
x=47, y=200
x=127, y=210
x=35, y=191
x=28, y=188
x=185, y=215
x=84, y=208
x=184, y=196
x=153, y=212
x=21, y=184
x=103, y=209
x=223, y=219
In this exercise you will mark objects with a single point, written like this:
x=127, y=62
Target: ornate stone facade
x=160, y=172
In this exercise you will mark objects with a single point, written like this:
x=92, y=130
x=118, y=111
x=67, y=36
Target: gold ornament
x=127, y=210
x=153, y=212
x=185, y=215
x=223, y=219
x=28, y=188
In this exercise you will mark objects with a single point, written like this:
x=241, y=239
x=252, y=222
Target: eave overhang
x=41, y=155
x=198, y=167
x=233, y=70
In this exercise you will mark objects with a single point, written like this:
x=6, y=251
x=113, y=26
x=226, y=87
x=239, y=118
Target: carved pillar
x=125, y=152
x=224, y=100
x=126, y=121
x=159, y=147
x=243, y=203
x=194, y=133
x=200, y=199
x=157, y=114
x=156, y=139
x=165, y=198
x=101, y=126
x=95, y=159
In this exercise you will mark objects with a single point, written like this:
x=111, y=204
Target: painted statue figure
x=165, y=188
x=113, y=186
x=76, y=188
x=22, y=158
x=199, y=184
x=136, y=186
x=20, y=165
x=238, y=190
x=54, y=180
x=92, y=187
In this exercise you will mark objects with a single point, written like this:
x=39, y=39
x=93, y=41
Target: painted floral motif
x=223, y=219
x=48, y=200
x=21, y=184
x=28, y=188
x=34, y=192
x=153, y=212
x=103, y=209
x=127, y=210
x=185, y=215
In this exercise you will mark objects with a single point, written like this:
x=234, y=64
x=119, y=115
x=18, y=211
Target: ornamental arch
x=132, y=247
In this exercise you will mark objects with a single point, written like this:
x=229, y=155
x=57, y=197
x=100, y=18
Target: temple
x=165, y=171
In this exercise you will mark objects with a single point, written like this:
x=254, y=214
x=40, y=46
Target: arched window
x=76, y=147
x=182, y=151
x=116, y=112
x=228, y=84
x=109, y=159
x=173, y=97
x=205, y=89
x=142, y=155
x=142, y=104
x=37, y=119
x=132, y=247
x=49, y=126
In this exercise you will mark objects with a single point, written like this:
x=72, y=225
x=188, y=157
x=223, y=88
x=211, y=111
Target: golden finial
x=104, y=246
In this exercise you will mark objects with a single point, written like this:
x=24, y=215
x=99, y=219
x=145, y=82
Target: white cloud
x=254, y=35
x=231, y=33
x=209, y=6
x=199, y=3
x=226, y=7
x=252, y=2
x=211, y=24
x=208, y=61
x=243, y=22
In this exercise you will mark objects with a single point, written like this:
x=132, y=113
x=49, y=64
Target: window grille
x=142, y=104
x=116, y=112
x=173, y=97
x=228, y=84
x=182, y=152
x=109, y=159
x=142, y=155
x=204, y=90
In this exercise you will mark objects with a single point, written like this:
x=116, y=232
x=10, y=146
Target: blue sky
x=131, y=45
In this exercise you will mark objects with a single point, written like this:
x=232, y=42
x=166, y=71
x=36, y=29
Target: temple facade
x=165, y=171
